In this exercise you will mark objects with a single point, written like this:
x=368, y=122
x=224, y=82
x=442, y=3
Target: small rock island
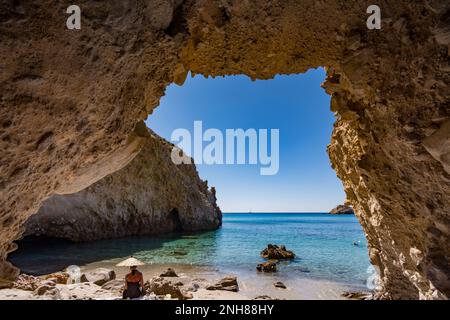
x=342, y=209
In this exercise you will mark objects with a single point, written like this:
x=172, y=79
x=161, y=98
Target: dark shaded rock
x=227, y=284
x=43, y=289
x=179, y=253
x=269, y=266
x=280, y=284
x=169, y=273
x=263, y=297
x=193, y=287
x=357, y=295
x=49, y=291
x=342, y=209
x=304, y=270
x=277, y=252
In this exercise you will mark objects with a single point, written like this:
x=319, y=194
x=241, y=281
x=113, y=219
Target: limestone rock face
x=71, y=101
x=151, y=195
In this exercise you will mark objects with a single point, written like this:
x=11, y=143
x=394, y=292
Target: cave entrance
x=176, y=221
x=290, y=207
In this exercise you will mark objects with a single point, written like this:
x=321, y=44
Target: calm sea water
x=324, y=244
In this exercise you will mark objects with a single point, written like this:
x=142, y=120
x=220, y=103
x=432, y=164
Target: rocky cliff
x=151, y=195
x=71, y=99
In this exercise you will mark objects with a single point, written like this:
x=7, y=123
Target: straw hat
x=130, y=262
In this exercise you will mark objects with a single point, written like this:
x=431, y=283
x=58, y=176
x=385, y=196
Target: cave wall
x=71, y=100
x=150, y=195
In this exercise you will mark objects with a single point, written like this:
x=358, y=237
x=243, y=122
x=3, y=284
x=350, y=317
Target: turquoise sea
x=328, y=247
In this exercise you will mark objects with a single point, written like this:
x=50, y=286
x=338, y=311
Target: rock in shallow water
x=277, y=252
x=269, y=266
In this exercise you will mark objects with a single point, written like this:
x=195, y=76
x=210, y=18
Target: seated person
x=134, y=284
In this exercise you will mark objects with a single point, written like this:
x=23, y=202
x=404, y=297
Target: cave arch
x=89, y=88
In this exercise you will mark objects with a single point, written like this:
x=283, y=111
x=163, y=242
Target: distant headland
x=342, y=209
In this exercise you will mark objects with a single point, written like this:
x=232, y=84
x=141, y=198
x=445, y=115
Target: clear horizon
x=296, y=105
x=274, y=212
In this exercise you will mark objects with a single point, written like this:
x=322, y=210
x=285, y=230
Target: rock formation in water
x=71, y=101
x=277, y=252
x=342, y=209
x=151, y=195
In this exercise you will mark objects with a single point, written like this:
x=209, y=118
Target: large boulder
x=163, y=287
x=228, y=284
x=86, y=291
x=99, y=276
x=169, y=273
x=277, y=252
x=48, y=291
x=27, y=282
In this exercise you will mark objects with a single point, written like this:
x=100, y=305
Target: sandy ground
x=251, y=285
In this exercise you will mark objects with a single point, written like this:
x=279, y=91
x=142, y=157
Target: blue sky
x=295, y=104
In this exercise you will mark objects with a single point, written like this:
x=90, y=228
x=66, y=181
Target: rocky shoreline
x=103, y=280
x=100, y=283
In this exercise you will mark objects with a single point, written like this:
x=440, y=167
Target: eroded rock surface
x=161, y=287
x=151, y=195
x=70, y=101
